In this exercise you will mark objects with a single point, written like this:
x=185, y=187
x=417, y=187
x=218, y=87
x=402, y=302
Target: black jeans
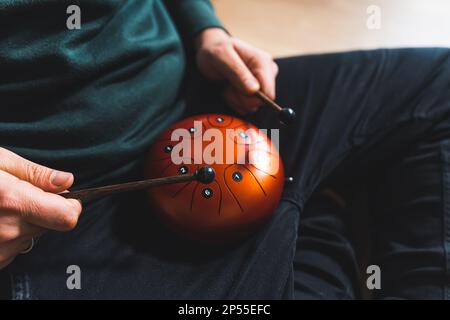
x=379, y=118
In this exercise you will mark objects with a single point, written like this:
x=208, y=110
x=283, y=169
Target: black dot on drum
x=192, y=130
x=207, y=193
x=220, y=119
x=168, y=149
x=237, y=176
x=183, y=170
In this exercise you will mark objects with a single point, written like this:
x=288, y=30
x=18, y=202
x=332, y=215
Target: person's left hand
x=246, y=68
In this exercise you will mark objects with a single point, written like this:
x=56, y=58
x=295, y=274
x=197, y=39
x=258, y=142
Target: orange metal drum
x=248, y=181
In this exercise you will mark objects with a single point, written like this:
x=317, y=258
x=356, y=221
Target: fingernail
x=60, y=178
x=252, y=84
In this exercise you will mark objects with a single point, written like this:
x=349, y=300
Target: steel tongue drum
x=242, y=190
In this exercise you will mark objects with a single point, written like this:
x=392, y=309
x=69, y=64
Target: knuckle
x=264, y=75
x=220, y=49
x=259, y=72
x=31, y=172
x=36, y=173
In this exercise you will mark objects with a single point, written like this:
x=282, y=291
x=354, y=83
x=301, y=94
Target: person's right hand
x=29, y=205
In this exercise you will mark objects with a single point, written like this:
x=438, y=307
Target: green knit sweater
x=92, y=100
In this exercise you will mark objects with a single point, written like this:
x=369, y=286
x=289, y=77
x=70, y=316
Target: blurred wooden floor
x=289, y=27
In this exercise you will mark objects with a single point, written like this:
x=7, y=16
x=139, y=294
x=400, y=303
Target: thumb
x=47, y=179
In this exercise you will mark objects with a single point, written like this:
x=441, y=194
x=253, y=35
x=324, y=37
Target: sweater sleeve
x=192, y=16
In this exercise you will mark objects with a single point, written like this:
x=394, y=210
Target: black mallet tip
x=286, y=115
x=205, y=175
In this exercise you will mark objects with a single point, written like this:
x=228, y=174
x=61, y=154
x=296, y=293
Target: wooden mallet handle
x=204, y=175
